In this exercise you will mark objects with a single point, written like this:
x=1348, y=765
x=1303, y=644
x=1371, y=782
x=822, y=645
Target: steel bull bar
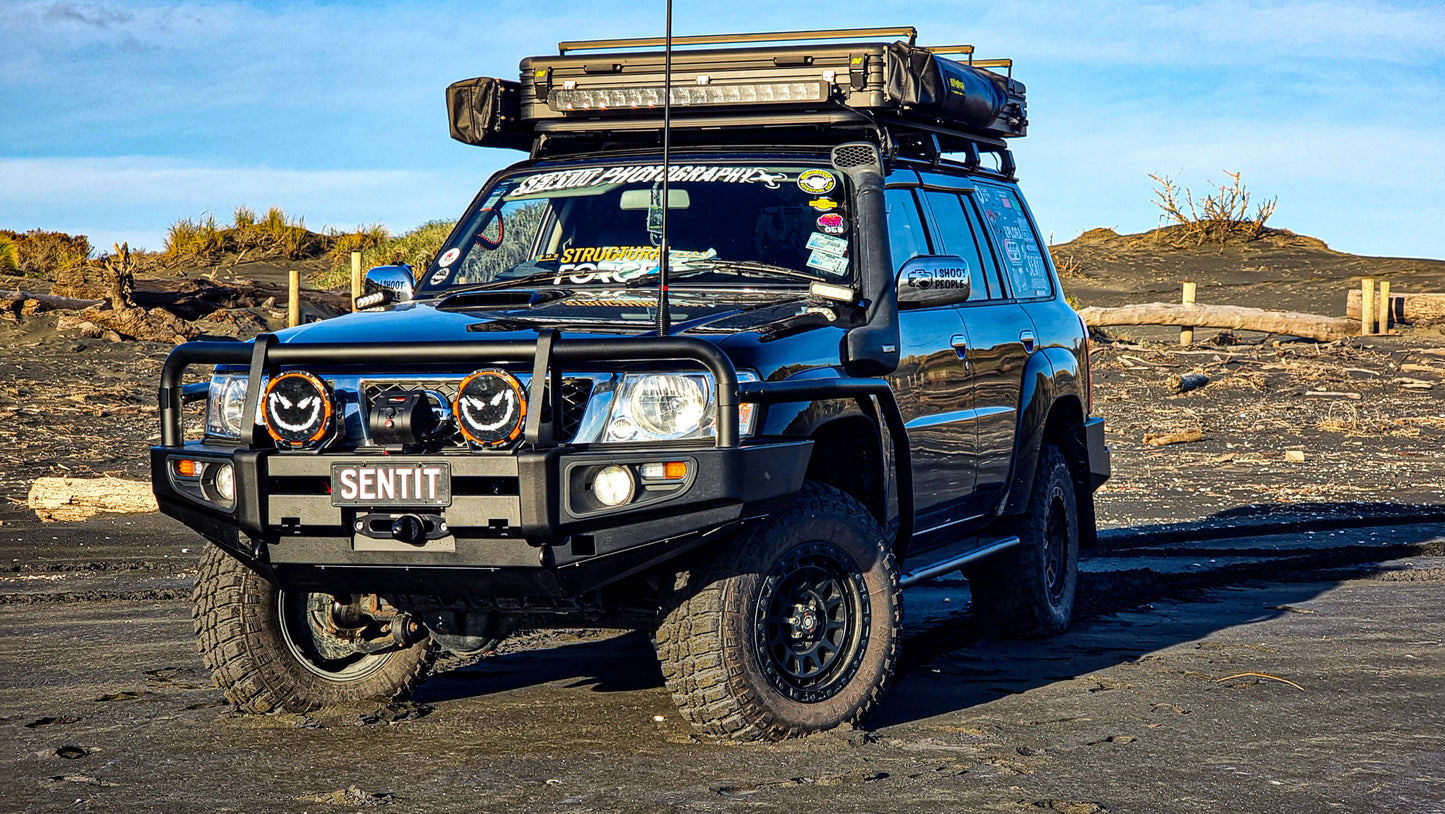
x=547, y=353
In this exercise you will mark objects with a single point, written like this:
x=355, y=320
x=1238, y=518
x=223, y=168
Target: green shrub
x=9, y=256
x=342, y=244
x=42, y=254
x=415, y=248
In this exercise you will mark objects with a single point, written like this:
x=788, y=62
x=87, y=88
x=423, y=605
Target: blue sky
x=121, y=117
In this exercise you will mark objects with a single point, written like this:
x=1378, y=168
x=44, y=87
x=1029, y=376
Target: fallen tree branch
x=1412, y=308
x=1260, y=675
x=1234, y=317
x=49, y=301
x=1164, y=439
x=79, y=498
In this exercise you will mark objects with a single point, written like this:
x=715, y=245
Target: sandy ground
x=1144, y=706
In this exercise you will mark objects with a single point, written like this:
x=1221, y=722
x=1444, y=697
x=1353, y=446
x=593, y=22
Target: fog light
x=613, y=485
x=226, y=482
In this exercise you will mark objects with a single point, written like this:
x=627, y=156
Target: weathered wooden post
x=1367, y=307
x=293, y=300
x=1384, y=306
x=1186, y=335
x=355, y=278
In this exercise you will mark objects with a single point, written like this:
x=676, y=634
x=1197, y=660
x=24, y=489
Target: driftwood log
x=57, y=303
x=79, y=498
x=1233, y=317
x=1416, y=309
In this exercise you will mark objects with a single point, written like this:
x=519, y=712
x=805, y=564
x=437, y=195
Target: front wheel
x=272, y=650
x=791, y=630
x=1028, y=591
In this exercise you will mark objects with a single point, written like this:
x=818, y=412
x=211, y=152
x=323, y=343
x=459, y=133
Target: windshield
x=728, y=224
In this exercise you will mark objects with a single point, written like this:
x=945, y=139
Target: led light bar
x=648, y=98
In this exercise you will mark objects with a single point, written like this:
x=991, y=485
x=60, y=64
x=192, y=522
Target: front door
x=931, y=384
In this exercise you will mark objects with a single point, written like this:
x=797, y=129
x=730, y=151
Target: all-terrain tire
x=791, y=629
x=238, y=621
x=1028, y=591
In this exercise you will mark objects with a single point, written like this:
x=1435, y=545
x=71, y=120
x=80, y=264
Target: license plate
x=389, y=484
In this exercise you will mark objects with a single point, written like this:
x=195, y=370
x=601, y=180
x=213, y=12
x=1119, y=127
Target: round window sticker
x=816, y=182
x=449, y=258
x=832, y=224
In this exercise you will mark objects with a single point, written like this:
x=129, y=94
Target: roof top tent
x=815, y=88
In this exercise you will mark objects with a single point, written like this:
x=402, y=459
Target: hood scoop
x=483, y=300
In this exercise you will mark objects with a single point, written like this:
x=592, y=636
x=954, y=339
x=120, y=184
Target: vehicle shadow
x=622, y=663
x=1114, y=621
x=1269, y=518
x=943, y=642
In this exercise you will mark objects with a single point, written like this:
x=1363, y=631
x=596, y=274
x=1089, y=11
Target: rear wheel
x=272, y=650
x=1028, y=591
x=792, y=630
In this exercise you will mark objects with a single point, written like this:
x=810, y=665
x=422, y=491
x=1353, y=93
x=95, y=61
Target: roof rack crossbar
x=950, y=49
x=735, y=39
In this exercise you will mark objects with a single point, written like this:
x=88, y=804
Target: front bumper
x=517, y=524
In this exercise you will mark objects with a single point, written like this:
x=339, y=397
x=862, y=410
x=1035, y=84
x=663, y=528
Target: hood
x=498, y=315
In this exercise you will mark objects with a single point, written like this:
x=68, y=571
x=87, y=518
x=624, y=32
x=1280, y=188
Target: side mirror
x=933, y=280
x=385, y=285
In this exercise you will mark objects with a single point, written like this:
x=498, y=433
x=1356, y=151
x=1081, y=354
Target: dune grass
x=204, y=239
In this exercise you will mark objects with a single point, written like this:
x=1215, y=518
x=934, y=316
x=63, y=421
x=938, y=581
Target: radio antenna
x=664, y=319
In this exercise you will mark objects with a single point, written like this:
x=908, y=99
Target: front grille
x=575, y=394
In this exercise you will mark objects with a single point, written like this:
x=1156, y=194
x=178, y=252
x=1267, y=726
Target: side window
x=1018, y=249
x=906, y=238
x=955, y=236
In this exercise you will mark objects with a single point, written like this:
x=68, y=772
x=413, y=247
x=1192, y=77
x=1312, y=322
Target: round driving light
x=491, y=407
x=613, y=485
x=226, y=482
x=667, y=405
x=298, y=409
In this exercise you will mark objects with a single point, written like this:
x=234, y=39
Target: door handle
x=1027, y=337
x=960, y=345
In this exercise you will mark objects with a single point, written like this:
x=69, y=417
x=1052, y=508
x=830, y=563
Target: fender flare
x=1050, y=374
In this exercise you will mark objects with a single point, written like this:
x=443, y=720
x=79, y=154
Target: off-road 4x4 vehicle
x=860, y=375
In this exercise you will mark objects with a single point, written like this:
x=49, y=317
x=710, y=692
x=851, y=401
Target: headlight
x=670, y=407
x=225, y=404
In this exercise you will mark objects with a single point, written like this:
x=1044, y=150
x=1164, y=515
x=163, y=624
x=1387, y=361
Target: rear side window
x=953, y=232
x=906, y=238
x=1018, y=249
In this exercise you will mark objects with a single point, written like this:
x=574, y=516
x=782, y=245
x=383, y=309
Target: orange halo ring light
x=298, y=409
x=490, y=408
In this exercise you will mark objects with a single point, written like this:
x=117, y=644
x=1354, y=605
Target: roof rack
x=787, y=87
x=741, y=39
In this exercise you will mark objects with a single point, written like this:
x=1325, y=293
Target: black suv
x=861, y=373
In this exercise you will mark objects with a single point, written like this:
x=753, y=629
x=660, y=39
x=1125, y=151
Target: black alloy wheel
x=812, y=616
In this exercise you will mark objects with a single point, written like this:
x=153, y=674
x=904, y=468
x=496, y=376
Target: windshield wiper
x=745, y=268
x=509, y=282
